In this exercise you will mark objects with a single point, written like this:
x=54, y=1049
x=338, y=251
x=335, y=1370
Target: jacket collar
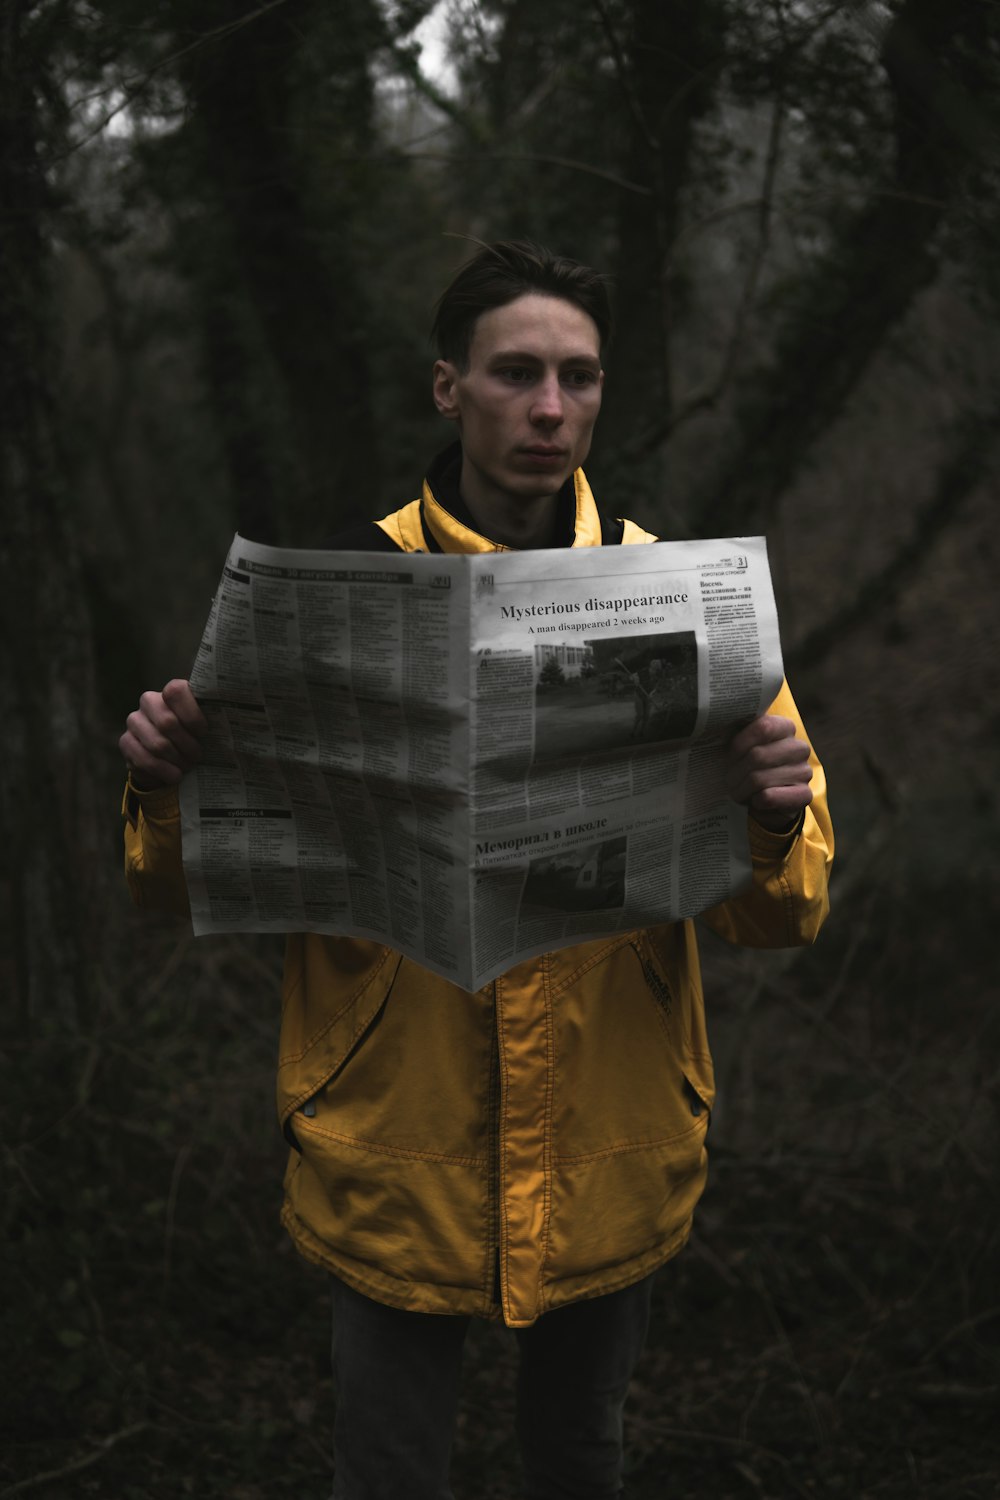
x=449, y=527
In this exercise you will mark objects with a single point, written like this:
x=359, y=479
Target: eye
x=516, y=374
x=580, y=378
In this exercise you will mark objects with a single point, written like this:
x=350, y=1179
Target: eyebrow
x=525, y=357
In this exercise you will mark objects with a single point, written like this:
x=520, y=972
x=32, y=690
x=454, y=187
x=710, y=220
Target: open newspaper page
x=474, y=759
x=334, y=790
x=607, y=683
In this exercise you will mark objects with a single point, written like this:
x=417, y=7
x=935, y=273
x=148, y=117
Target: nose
x=547, y=407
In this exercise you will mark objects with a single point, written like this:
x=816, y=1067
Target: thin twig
x=958, y=1395
x=756, y=1280
x=134, y=87
x=717, y=1439
x=12, y=1155
x=87, y=1461
x=572, y=164
x=96, y=1313
x=966, y=1326
x=180, y=1162
x=795, y=197
x=625, y=81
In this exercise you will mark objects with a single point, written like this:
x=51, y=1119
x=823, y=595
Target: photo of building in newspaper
x=613, y=691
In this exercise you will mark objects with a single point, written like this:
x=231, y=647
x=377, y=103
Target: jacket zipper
x=493, y=1156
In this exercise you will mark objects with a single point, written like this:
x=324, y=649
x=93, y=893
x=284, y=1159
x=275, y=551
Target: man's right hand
x=162, y=736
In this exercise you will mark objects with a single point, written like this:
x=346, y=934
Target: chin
x=538, y=486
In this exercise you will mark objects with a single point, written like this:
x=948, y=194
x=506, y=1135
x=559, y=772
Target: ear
x=445, y=389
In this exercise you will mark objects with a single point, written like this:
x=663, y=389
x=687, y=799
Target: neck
x=521, y=523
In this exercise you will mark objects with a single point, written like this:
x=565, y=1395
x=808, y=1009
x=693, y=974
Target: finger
x=147, y=744
x=178, y=697
x=781, y=799
x=761, y=731
x=783, y=752
x=163, y=721
x=145, y=768
x=762, y=779
x=765, y=763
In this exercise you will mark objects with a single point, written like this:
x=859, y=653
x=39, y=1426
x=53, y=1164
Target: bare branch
x=532, y=103
x=134, y=87
x=753, y=205
x=409, y=66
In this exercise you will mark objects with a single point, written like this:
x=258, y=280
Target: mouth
x=538, y=453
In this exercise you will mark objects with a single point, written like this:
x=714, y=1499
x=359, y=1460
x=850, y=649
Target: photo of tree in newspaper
x=590, y=878
x=612, y=691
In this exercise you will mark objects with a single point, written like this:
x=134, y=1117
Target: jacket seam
x=353, y=998
x=662, y=1255
x=323, y=1254
x=629, y=1148
x=620, y=940
x=460, y=527
x=382, y=1148
x=360, y=1032
x=788, y=902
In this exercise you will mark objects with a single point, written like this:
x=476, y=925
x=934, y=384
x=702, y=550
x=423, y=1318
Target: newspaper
x=475, y=759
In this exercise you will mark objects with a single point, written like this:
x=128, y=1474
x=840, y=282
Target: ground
x=581, y=715
x=832, y=1330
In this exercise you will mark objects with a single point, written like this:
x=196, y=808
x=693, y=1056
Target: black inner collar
x=443, y=477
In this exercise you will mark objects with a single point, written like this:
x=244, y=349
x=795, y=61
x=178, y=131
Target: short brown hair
x=500, y=273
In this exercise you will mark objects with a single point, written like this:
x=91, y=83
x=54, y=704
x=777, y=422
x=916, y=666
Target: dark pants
x=397, y=1376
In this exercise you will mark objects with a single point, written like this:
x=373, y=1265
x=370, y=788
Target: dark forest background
x=223, y=225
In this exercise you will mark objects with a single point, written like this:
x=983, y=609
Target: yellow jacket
x=538, y=1141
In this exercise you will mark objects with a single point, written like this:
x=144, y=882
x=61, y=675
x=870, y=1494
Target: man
x=533, y=1151
x=640, y=698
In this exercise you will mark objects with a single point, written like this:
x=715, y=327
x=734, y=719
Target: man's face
x=527, y=404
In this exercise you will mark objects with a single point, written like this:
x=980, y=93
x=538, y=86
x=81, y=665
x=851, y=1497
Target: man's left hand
x=769, y=772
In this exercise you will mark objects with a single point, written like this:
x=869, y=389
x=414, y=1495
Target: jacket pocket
x=415, y=1082
x=681, y=1009
x=308, y=1107
x=622, y=1078
x=336, y=990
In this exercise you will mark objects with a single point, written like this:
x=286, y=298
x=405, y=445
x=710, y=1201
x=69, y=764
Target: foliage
x=552, y=674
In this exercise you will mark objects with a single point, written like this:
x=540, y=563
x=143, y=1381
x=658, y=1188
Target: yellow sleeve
x=153, y=867
x=788, y=901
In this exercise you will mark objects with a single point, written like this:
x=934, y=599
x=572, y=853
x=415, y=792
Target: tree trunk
x=670, y=52
x=52, y=855
x=273, y=253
